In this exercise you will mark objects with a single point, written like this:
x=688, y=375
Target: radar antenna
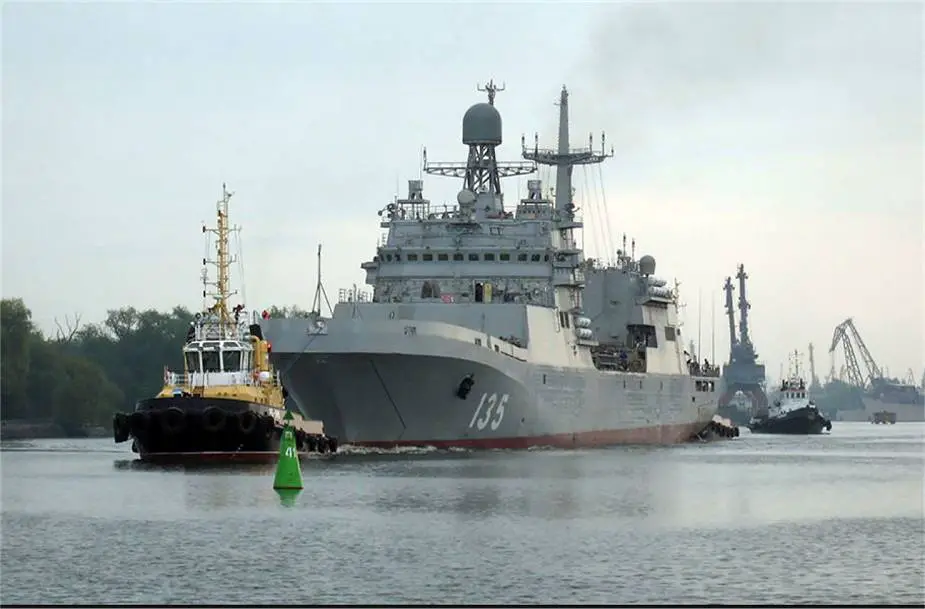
x=564, y=158
x=492, y=89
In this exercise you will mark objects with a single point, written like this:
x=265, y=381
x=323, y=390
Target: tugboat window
x=489, y=256
x=231, y=361
x=428, y=257
x=457, y=256
x=210, y=362
x=192, y=362
x=473, y=256
x=535, y=258
x=521, y=257
x=442, y=257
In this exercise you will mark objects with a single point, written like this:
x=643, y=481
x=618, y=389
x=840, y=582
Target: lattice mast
x=221, y=290
x=482, y=172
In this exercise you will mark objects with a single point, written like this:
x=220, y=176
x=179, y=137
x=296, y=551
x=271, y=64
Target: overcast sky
x=788, y=137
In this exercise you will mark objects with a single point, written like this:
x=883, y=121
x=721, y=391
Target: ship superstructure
x=476, y=332
x=742, y=372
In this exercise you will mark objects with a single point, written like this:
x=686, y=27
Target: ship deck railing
x=219, y=379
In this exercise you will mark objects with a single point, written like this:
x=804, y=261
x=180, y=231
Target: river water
x=834, y=519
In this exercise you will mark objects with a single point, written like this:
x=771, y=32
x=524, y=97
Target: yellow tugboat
x=228, y=403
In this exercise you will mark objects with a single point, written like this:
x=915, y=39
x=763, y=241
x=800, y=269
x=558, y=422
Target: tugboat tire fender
x=120, y=427
x=213, y=419
x=174, y=420
x=247, y=421
x=139, y=421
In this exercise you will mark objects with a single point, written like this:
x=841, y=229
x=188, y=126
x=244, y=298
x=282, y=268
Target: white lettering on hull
x=492, y=406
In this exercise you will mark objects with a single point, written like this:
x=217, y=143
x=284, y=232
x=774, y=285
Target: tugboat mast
x=223, y=261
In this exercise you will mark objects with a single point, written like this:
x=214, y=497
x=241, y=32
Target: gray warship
x=743, y=377
x=477, y=333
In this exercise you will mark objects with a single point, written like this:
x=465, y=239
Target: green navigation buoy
x=288, y=470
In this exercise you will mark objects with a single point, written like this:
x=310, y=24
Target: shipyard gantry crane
x=844, y=333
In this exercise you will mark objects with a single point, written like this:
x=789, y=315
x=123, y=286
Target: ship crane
x=744, y=306
x=730, y=312
x=844, y=333
x=813, y=379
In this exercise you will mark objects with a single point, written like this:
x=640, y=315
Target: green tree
x=290, y=311
x=85, y=373
x=16, y=332
x=86, y=397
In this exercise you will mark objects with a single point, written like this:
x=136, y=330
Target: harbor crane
x=845, y=332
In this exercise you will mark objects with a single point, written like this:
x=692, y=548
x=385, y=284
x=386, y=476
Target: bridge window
x=442, y=257
x=669, y=333
x=192, y=361
x=521, y=257
x=457, y=256
x=504, y=257
x=412, y=257
x=489, y=256
x=231, y=360
x=428, y=257
x=210, y=362
x=535, y=257
x=397, y=257
x=388, y=257
x=473, y=256
x=546, y=258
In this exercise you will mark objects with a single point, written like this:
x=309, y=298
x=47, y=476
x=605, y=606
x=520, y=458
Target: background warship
x=743, y=378
x=477, y=333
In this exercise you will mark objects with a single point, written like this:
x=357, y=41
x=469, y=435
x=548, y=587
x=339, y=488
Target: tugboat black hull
x=800, y=422
x=193, y=429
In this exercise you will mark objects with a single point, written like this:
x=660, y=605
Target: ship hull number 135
x=490, y=412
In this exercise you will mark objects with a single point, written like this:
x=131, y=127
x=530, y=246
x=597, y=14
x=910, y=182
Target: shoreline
x=47, y=430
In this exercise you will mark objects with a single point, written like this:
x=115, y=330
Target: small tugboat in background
x=792, y=411
x=228, y=403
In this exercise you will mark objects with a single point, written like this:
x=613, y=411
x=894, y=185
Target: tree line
x=84, y=373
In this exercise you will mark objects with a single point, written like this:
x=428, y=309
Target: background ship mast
x=221, y=291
